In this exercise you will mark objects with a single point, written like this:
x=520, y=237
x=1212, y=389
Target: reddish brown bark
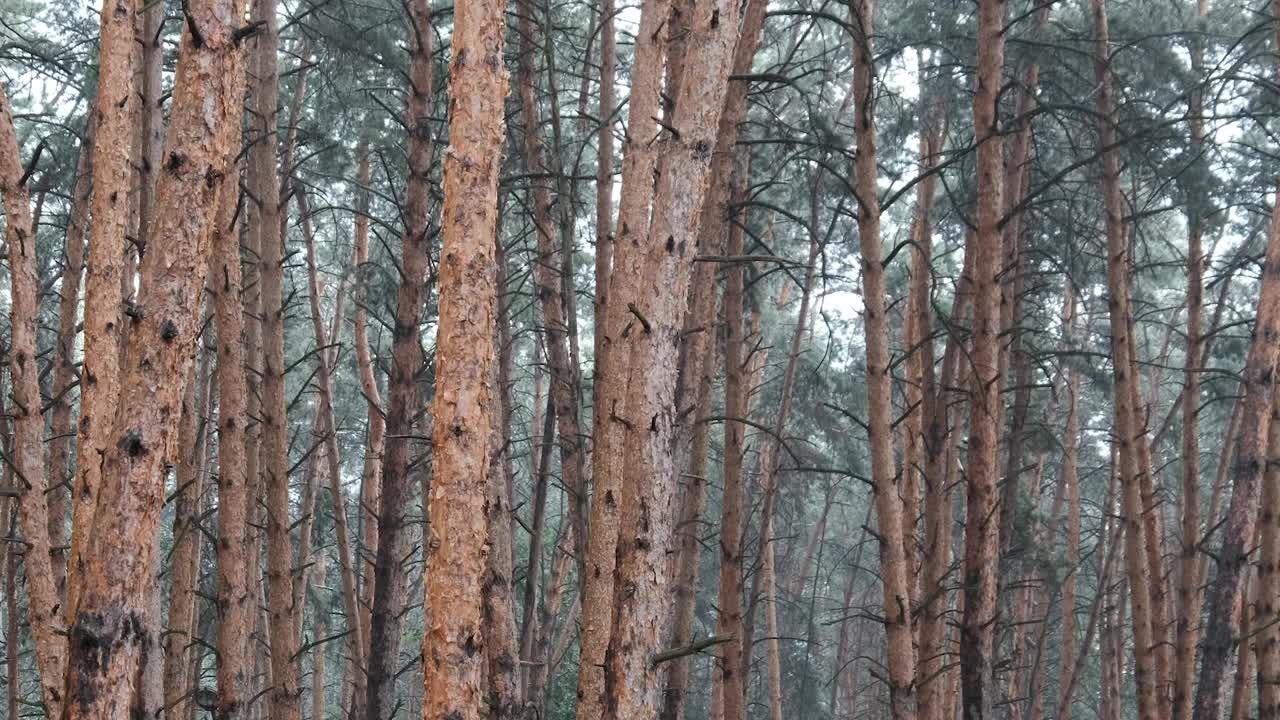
x=111, y=621
x=457, y=555
x=371, y=475
x=612, y=361
x=103, y=328
x=65, y=373
x=981, y=541
x=894, y=562
x=27, y=455
x=236, y=604
x=649, y=415
x=1123, y=349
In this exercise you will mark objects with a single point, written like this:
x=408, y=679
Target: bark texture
x=458, y=551
x=111, y=621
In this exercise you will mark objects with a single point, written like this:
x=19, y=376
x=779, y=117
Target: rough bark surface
x=455, y=654
x=612, y=362
x=107, y=638
x=27, y=456
x=103, y=328
x=649, y=415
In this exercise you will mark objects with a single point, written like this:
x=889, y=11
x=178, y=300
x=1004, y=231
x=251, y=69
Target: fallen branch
x=696, y=647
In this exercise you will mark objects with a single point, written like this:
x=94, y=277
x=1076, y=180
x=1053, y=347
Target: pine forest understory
x=640, y=359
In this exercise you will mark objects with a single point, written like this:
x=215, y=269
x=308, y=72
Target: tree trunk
x=27, y=455
x=981, y=534
x=1126, y=425
x=236, y=606
x=503, y=680
x=371, y=475
x=318, y=652
x=65, y=373
x=649, y=416
x=1190, y=594
x=285, y=697
x=103, y=327
x=187, y=540
x=894, y=570
x=728, y=679
x=1258, y=381
x=1071, y=489
x=458, y=552
x=328, y=429
x=552, y=289
x=696, y=350
x=111, y=619
x=393, y=523
x=1242, y=686
x=612, y=362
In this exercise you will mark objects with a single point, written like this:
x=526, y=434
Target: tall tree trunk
x=894, y=570
x=1190, y=594
x=111, y=621
x=65, y=373
x=728, y=680
x=371, y=474
x=457, y=555
x=328, y=429
x=1071, y=489
x=285, y=697
x=393, y=522
x=1123, y=348
x=503, y=680
x=551, y=286
x=649, y=415
x=185, y=564
x=27, y=455
x=1221, y=634
x=699, y=339
x=612, y=362
x=103, y=326
x=981, y=535
x=236, y=602
x=1267, y=609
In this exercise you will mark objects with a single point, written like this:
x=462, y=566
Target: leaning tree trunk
x=457, y=556
x=406, y=357
x=27, y=454
x=894, y=572
x=111, y=621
